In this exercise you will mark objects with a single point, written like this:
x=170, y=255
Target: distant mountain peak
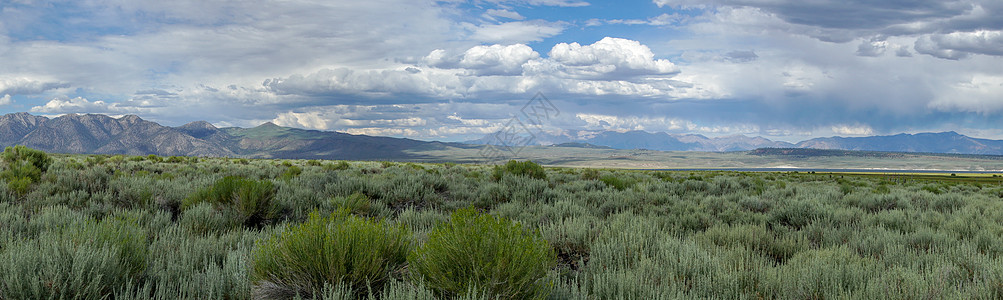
x=131, y=118
x=199, y=125
x=268, y=124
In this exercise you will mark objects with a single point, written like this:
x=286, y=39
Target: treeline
x=148, y=227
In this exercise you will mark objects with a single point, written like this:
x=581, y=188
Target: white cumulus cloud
x=78, y=105
x=610, y=56
x=309, y=120
x=498, y=59
x=852, y=129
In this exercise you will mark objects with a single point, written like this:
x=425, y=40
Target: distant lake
x=805, y=170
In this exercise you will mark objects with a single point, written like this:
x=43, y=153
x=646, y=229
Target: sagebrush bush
x=37, y=158
x=359, y=204
x=252, y=200
x=617, y=181
x=24, y=167
x=341, y=165
x=89, y=260
x=483, y=252
x=328, y=251
x=202, y=218
x=520, y=168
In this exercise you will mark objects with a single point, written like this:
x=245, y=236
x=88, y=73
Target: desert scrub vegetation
x=150, y=227
x=324, y=252
x=251, y=201
x=484, y=254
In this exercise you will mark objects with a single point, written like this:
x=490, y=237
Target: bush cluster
x=24, y=166
x=484, y=253
x=252, y=201
x=326, y=252
x=520, y=168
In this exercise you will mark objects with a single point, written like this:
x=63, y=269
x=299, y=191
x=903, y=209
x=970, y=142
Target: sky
x=459, y=70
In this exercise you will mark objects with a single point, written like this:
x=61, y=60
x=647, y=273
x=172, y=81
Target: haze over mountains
x=131, y=135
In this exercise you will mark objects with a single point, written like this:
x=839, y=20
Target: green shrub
x=933, y=189
x=291, y=172
x=252, y=200
x=480, y=251
x=617, y=181
x=523, y=168
x=359, y=204
x=19, y=185
x=341, y=165
x=323, y=252
x=37, y=158
x=20, y=174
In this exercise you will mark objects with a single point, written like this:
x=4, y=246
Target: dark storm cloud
x=951, y=29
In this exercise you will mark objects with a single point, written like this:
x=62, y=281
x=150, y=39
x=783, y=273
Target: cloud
x=664, y=19
x=504, y=13
x=515, y=32
x=25, y=86
x=952, y=29
x=497, y=59
x=345, y=84
x=741, y=56
x=978, y=94
x=309, y=120
x=421, y=121
x=852, y=130
x=659, y=124
x=958, y=45
x=872, y=48
x=857, y=15
x=610, y=56
x=561, y=3
x=618, y=123
x=5, y=100
x=611, y=66
x=78, y=105
x=150, y=44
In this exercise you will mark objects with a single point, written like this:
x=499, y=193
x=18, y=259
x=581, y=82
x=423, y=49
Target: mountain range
x=131, y=135
x=942, y=142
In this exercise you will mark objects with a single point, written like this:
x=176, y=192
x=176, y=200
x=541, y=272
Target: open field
x=128, y=227
x=648, y=159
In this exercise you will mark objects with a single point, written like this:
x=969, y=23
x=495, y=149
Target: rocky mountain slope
x=131, y=135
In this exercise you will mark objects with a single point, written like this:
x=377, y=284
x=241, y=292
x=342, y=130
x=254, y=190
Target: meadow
x=149, y=227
